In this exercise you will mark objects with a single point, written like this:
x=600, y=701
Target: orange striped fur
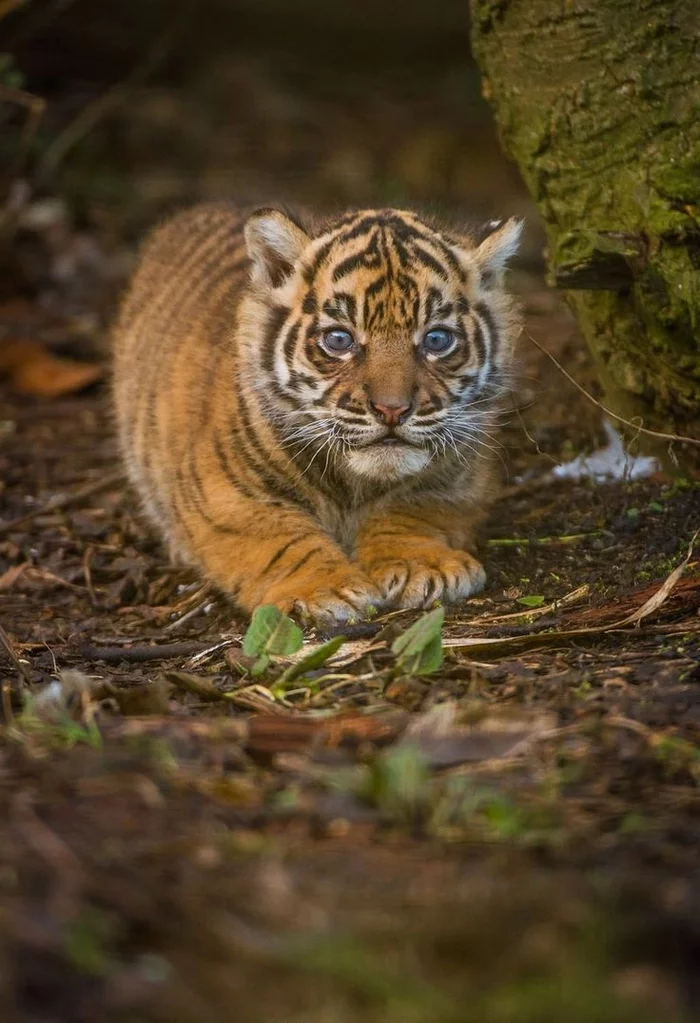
x=307, y=414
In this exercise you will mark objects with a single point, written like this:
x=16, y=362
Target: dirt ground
x=511, y=839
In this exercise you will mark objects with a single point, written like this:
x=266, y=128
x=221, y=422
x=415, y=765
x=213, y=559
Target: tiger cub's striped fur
x=307, y=414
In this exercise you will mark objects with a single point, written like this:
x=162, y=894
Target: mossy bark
x=598, y=102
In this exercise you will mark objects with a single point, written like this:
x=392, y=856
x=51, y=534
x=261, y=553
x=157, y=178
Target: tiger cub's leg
x=415, y=556
x=262, y=554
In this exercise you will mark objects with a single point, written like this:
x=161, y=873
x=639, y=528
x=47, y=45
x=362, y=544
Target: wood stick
x=135, y=654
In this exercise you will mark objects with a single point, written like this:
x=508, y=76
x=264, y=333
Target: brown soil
x=169, y=857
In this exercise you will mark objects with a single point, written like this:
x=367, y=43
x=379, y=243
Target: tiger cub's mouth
x=391, y=440
x=388, y=458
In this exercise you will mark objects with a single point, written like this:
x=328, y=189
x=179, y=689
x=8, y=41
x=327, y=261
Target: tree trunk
x=598, y=102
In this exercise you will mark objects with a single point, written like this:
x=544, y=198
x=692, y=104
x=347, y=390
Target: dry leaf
x=10, y=577
x=658, y=598
x=33, y=371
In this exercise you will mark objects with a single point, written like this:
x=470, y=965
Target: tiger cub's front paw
x=341, y=596
x=437, y=573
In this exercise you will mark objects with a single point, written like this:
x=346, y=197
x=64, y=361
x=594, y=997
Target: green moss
x=597, y=102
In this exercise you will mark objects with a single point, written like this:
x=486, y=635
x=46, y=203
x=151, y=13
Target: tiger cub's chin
x=391, y=462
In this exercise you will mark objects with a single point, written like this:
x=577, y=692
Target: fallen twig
x=517, y=541
x=134, y=654
x=196, y=686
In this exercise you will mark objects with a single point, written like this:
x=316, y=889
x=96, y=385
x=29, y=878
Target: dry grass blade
x=554, y=541
x=657, y=599
x=528, y=614
x=210, y=651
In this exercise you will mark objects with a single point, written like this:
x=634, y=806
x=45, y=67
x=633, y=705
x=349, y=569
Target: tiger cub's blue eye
x=437, y=341
x=338, y=341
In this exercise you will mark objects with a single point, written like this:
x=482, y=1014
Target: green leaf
x=397, y=780
x=270, y=634
x=535, y=601
x=418, y=650
x=315, y=658
x=260, y=666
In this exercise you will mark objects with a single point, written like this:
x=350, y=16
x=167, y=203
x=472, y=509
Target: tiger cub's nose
x=392, y=415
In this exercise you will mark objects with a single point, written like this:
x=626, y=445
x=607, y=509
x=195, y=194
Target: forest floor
x=511, y=839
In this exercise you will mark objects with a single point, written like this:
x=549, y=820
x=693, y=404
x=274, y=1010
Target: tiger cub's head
x=385, y=341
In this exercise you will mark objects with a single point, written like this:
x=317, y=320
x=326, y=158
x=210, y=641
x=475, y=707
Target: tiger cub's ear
x=274, y=243
x=498, y=242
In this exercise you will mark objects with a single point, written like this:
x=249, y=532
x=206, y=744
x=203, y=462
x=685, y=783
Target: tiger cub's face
x=385, y=342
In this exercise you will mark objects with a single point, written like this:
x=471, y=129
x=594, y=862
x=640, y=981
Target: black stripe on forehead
x=412, y=233
x=437, y=307
x=391, y=240
x=316, y=263
x=408, y=289
x=401, y=298
x=390, y=220
x=347, y=218
x=341, y=306
x=428, y=260
x=372, y=309
x=362, y=225
x=450, y=257
x=368, y=258
x=339, y=236
x=433, y=300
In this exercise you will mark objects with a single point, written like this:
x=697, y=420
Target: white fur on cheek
x=377, y=462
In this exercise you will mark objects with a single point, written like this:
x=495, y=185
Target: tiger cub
x=307, y=414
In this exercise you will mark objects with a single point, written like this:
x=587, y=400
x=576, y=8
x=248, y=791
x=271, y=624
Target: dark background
x=151, y=104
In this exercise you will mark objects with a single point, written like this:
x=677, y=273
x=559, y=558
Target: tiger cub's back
x=175, y=323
